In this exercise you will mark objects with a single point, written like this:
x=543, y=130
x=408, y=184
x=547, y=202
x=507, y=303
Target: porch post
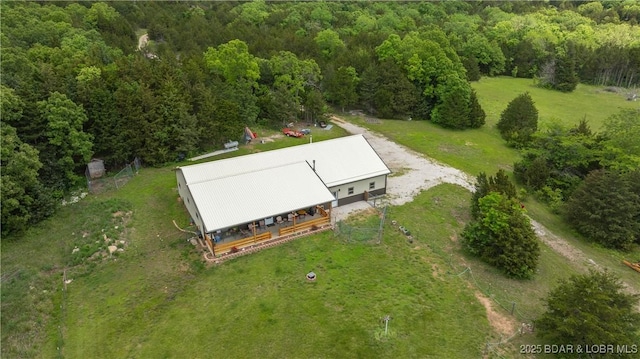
x=253, y=227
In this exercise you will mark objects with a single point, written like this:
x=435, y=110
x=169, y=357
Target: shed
x=96, y=168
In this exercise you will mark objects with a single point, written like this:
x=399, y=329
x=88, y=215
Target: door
x=334, y=203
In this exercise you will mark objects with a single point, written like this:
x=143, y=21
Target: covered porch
x=263, y=232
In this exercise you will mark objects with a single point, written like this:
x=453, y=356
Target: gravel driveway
x=415, y=172
x=411, y=171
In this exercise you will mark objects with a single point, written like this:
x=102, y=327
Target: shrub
x=591, y=308
x=519, y=121
x=502, y=236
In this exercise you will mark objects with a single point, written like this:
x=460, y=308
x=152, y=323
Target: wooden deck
x=267, y=237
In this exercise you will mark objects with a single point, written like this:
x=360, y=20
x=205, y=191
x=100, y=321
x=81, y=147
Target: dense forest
x=76, y=84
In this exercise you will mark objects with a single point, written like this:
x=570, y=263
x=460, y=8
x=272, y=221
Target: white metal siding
x=189, y=203
x=359, y=186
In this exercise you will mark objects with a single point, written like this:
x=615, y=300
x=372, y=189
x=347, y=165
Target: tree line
x=76, y=86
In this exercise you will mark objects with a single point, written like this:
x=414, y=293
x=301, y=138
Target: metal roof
x=337, y=161
x=229, y=201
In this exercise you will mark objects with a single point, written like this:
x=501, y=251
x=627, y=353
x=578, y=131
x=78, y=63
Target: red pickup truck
x=292, y=133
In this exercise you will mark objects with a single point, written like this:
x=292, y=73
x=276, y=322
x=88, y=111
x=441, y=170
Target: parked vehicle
x=292, y=133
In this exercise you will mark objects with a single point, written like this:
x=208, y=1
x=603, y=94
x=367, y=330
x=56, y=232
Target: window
x=372, y=185
x=188, y=200
x=350, y=190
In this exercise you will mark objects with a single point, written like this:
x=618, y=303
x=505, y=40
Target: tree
x=590, y=308
x=502, y=236
x=533, y=173
x=566, y=79
x=559, y=74
x=561, y=158
x=604, y=208
x=387, y=92
x=12, y=106
x=499, y=183
x=23, y=198
x=290, y=79
x=233, y=61
x=473, y=70
x=173, y=132
x=633, y=180
x=341, y=89
x=454, y=110
x=240, y=70
x=477, y=115
x=622, y=130
x=519, y=120
x=329, y=43
x=68, y=147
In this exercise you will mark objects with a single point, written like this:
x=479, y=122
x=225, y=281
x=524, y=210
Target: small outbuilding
x=96, y=168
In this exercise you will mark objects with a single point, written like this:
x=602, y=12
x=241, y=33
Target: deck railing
x=244, y=242
x=318, y=222
x=262, y=237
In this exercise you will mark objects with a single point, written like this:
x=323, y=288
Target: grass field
x=593, y=102
x=158, y=299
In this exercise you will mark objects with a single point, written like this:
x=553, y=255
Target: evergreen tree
x=502, y=184
x=590, y=308
x=481, y=190
x=341, y=87
x=173, y=133
x=454, y=111
x=502, y=236
x=604, y=208
x=499, y=184
x=533, y=173
x=477, y=115
x=582, y=128
x=519, y=121
x=473, y=70
x=566, y=79
x=633, y=181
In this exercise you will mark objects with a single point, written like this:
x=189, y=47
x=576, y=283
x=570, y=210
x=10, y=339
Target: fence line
x=446, y=254
x=102, y=184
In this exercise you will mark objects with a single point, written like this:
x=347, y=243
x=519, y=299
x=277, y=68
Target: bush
x=592, y=308
x=553, y=197
x=502, y=236
x=519, y=121
x=605, y=209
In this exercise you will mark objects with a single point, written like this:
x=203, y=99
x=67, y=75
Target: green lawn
x=471, y=151
x=495, y=93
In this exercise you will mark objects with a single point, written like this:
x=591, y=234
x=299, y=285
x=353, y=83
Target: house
x=251, y=189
